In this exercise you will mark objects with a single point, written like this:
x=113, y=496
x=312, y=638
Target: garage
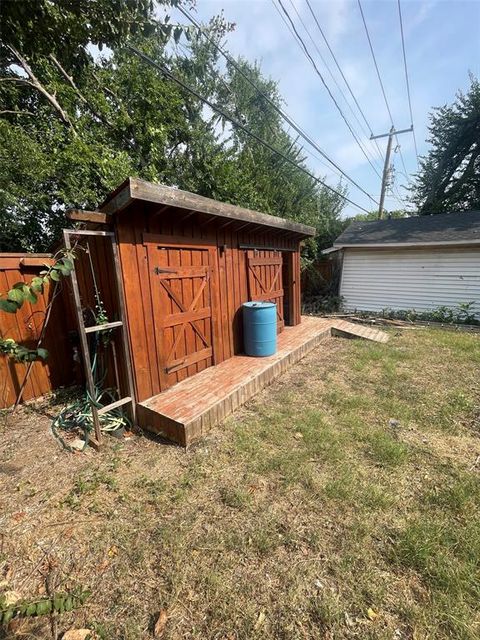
x=420, y=263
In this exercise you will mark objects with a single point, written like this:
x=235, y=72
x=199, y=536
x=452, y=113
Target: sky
x=442, y=40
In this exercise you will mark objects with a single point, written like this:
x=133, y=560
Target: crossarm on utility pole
x=390, y=135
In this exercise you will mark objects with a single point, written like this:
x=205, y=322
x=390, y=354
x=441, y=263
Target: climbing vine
x=22, y=292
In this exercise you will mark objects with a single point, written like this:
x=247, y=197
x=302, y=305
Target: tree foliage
x=449, y=176
x=373, y=215
x=65, y=28
x=74, y=123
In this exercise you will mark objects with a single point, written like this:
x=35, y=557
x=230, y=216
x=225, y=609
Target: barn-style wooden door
x=184, y=289
x=265, y=279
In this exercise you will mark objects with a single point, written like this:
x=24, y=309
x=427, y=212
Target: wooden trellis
x=70, y=234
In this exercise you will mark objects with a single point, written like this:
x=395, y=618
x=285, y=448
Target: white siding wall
x=402, y=279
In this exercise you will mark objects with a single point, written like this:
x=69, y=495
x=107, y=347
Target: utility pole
x=386, y=166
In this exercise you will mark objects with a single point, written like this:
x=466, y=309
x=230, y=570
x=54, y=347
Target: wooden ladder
x=68, y=234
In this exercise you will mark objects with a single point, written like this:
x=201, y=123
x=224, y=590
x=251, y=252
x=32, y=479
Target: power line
x=297, y=37
x=380, y=79
x=236, y=123
x=289, y=120
x=307, y=31
x=407, y=80
x=278, y=109
x=317, y=71
x=282, y=17
x=332, y=53
x=375, y=63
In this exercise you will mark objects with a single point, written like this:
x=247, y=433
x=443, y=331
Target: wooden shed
x=187, y=264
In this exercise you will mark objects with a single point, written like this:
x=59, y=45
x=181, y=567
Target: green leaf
x=58, y=603
x=30, y=296
x=68, y=263
x=42, y=353
x=55, y=275
x=31, y=609
x=8, y=305
x=16, y=295
x=84, y=596
x=22, y=608
x=64, y=270
x=37, y=284
x=7, y=616
x=44, y=607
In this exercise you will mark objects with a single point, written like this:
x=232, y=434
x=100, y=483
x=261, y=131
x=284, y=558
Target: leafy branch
x=22, y=292
x=34, y=82
x=19, y=353
x=58, y=603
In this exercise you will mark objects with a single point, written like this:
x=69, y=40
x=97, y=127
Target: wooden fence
x=25, y=327
x=317, y=278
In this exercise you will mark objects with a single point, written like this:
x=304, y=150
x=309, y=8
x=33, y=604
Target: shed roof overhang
x=134, y=189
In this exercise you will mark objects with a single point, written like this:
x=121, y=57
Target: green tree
x=123, y=117
x=58, y=118
x=449, y=176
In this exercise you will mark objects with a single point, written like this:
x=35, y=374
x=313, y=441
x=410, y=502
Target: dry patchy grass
x=304, y=515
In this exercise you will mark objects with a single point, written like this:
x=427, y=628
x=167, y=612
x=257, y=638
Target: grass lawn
x=308, y=514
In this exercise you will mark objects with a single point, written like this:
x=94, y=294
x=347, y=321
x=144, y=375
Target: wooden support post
x=123, y=318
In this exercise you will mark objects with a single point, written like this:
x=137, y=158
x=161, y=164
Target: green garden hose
x=77, y=417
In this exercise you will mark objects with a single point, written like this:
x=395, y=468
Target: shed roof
x=439, y=229
x=135, y=189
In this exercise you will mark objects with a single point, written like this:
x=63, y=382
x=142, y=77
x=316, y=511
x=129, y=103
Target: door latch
x=157, y=271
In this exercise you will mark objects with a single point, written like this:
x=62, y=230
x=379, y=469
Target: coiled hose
x=77, y=418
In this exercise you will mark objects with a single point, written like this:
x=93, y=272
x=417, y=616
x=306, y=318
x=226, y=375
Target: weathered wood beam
x=242, y=226
x=97, y=217
x=188, y=215
x=259, y=247
x=136, y=189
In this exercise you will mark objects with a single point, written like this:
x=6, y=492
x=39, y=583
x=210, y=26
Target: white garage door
x=419, y=279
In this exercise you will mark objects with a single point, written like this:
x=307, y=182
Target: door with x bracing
x=184, y=302
x=265, y=279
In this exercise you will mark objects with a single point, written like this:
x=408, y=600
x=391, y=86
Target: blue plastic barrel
x=260, y=328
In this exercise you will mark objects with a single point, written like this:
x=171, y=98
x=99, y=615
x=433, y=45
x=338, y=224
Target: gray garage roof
x=439, y=229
